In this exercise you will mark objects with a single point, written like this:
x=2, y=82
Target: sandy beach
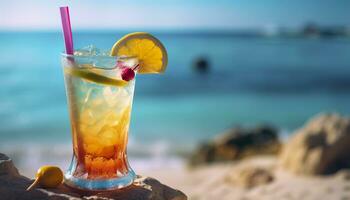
x=311, y=164
x=210, y=182
x=245, y=163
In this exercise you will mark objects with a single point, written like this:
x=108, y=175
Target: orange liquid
x=99, y=158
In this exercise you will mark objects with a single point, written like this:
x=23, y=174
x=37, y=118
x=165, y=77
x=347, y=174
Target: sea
x=251, y=80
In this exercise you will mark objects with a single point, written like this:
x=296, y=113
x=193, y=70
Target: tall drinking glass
x=99, y=104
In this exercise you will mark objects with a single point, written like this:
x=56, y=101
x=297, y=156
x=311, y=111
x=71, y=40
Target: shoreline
x=31, y=156
x=142, y=157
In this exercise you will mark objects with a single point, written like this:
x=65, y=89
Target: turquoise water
x=253, y=80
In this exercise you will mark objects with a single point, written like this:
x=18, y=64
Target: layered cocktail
x=100, y=89
x=100, y=103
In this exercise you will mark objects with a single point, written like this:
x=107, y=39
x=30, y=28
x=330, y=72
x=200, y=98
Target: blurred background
x=230, y=63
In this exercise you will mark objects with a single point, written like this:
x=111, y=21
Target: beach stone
x=321, y=147
x=13, y=186
x=343, y=174
x=250, y=176
x=236, y=144
x=7, y=167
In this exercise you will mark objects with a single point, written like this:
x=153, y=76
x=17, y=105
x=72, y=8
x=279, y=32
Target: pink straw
x=67, y=30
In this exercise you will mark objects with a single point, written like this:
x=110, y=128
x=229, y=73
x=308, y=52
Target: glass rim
x=63, y=54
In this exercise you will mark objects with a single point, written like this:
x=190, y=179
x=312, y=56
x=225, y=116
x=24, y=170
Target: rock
x=7, y=167
x=322, y=146
x=343, y=174
x=249, y=177
x=201, y=65
x=236, y=144
x=13, y=186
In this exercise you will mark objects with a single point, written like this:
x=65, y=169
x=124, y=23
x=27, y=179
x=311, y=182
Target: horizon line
x=158, y=29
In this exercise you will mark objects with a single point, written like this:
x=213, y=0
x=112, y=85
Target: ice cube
x=89, y=50
x=105, y=52
x=97, y=127
x=88, y=94
x=110, y=95
x=112, y=118
x=87, y=117
x=97, y=102
x=95, y=57
x=104, y=62
x=84, y=54
x=115, y=96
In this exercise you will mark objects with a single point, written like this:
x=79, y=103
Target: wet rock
x=236, y=144
x=13, y=186
x=322, y=146
x=249, y=177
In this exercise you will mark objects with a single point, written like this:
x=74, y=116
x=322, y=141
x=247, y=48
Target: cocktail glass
x=99, y=104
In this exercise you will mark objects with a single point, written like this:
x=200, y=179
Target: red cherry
x=127, y=74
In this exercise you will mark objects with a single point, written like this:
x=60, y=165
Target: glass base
x=100, y=185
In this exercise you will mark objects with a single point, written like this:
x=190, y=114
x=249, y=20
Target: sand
x=210, y=182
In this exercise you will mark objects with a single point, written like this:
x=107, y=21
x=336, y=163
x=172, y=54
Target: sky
x=172, y=14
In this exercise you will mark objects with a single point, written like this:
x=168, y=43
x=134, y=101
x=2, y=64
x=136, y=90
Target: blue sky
x=173, y=14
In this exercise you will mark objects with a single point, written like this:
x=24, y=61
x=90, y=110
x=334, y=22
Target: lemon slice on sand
x=94, y=77
x=150, y=52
